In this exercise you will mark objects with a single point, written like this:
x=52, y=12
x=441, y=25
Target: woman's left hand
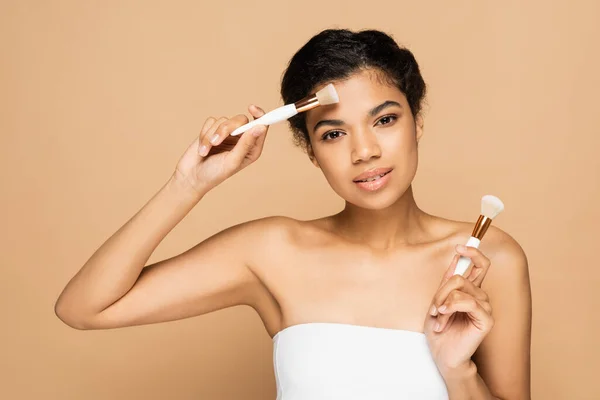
x=460, y=315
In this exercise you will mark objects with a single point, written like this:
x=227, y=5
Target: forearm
x=466, y=384
x=114, y=268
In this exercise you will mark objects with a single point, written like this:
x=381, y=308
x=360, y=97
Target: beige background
x=99, y=99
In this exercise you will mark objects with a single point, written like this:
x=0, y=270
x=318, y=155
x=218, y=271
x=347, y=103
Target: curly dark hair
x=336, y=54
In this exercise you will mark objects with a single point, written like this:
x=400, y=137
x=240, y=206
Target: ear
x=311, y=155
x=419, y=127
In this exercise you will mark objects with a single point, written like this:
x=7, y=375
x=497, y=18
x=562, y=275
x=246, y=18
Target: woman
x=361, y=304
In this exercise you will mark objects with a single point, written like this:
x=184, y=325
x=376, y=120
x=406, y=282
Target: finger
x=244, y=146
x=474, y=275
x=442, y=321
x=205, y=127
x=256, y=111
x=481, y=264
x=482, y=299
x=456, y=283
x=445, y=313
x=478, y=313
x=204, y=144
x=225, y=129
x=450, y=271
x=447, y=275
x=207, y=124
x=442, y=315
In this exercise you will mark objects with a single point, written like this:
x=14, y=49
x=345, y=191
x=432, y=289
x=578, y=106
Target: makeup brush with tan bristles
x=323, y=97
x=491, y=206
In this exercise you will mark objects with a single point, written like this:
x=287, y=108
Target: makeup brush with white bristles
x=323, y=97
x=491, y=206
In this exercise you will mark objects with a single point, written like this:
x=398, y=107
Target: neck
x=402, y=223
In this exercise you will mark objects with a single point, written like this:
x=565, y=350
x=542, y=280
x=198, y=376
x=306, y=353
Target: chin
x=374, y=203
x=379, y=200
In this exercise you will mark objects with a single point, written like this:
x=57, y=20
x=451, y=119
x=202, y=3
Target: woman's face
x=366, y=145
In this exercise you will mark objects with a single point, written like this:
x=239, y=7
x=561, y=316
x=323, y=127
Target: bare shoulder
x=509, y=261
x=271, y=242
x=502, y=244
x=498, y=245
x=257, y=233
x=281, y=229
x=508, y=258
x=274, y=230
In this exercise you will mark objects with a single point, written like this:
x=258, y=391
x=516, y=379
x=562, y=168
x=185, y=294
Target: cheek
x=332, y=167
x=333, y=164
x=402, y=145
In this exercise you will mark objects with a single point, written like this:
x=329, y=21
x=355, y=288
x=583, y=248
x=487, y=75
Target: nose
x=365, y=146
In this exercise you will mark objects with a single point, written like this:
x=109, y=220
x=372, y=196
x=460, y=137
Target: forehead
x=358, y=94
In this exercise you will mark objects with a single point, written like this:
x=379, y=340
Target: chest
x=338, y=285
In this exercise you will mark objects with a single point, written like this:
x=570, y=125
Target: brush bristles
x=327, y=95
x=491, y=206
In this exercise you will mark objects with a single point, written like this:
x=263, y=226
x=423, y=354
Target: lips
x=372, y=175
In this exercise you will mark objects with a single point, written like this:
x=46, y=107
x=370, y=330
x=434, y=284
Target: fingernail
x=460, y=247
x=437, y=327
x=214, y=139
x=442, y=308
x=203, y=150
x=257, y=131
x=433, y=310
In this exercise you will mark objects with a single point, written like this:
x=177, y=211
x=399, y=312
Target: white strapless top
x=318, y=361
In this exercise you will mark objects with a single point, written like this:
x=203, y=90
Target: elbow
x=71, y=318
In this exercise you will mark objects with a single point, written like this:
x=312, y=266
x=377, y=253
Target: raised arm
x=116, y=288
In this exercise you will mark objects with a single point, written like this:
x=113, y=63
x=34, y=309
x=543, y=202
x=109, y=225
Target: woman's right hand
x=215, y=155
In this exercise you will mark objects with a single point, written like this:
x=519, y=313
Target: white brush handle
x=277, y=115
x=464, y=262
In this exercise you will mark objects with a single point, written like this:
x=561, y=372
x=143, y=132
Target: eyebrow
x=373, y=112
x=382, y=106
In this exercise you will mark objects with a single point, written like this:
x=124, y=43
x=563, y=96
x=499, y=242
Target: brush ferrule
x=481, y=227
x=307, y=103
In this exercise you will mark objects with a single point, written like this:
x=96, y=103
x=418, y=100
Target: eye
x=332, y=135
x=387, y=119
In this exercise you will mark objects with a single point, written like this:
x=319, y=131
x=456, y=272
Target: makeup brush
x=323, y=97
x=491, y=206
